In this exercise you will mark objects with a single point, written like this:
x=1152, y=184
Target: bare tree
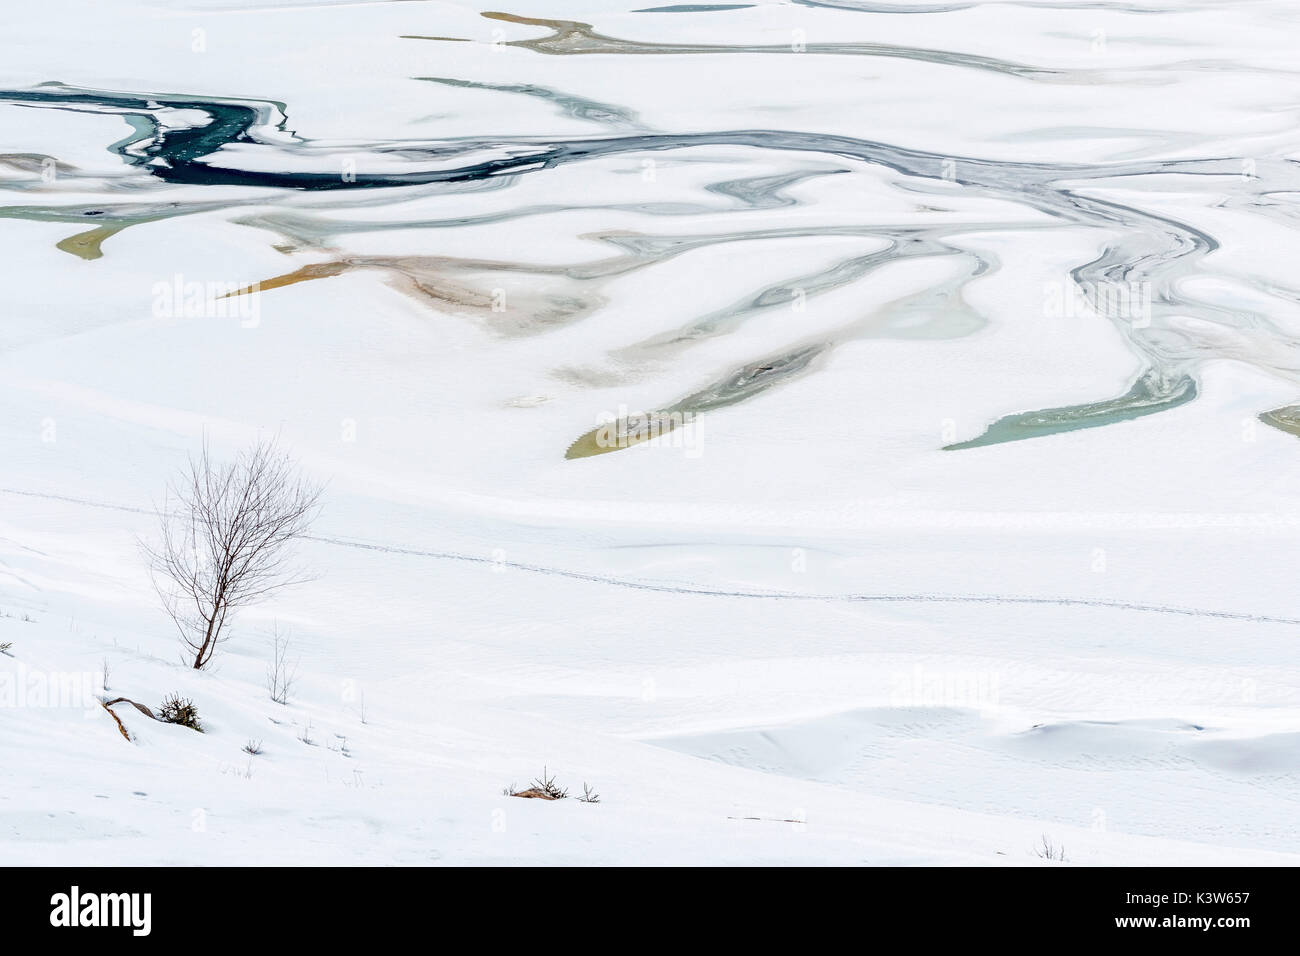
x=225, y=532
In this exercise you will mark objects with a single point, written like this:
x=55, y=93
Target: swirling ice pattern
x=168, y=148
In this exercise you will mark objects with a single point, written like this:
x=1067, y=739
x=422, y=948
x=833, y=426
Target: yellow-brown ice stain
x=86, y=245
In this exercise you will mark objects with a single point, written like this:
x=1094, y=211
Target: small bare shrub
x=1047, y=850
x=588, y=795
x=253, y=747
x=543, y=788
x=246, y=773
x=280, y=674
x=180, y=710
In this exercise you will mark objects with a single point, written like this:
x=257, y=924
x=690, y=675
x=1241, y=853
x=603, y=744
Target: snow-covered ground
x=797, y=630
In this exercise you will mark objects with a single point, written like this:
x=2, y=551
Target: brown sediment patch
x=424, y=283
x=740, y=385
x=317, y=270
x=85, y=245
x=622, y=433
x=109, y=219
x=571, y=37
x=511, y=299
